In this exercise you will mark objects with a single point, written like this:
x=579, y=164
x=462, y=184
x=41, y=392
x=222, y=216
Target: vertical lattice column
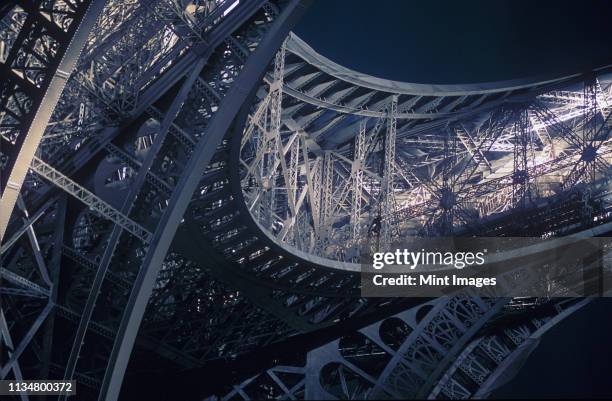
x=358, y=162
x=326, y=189
x=523, y=152
x=388, y=174
x=590, y=127
x=270, y=144
x=292, y=185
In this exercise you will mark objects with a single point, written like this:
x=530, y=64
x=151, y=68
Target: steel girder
x=439, y=350
x=231, y=34
x=42, y=43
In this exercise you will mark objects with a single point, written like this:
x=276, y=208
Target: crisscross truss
x=332, y=160
x=149, y=100
x=439, y=350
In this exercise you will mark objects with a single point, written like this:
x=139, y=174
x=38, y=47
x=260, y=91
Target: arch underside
x=336, y=161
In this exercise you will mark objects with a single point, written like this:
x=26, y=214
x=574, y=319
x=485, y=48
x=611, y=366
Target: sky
x=464, y=41
x=573, y=360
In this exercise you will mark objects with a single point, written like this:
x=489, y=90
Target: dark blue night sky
x=481, y=41
x=438, y=41
x=574, y=359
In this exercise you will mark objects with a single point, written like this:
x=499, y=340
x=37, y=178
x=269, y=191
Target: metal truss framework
x=166, y=130
x=137, y=70
x=438, y=350
x=42, y=42
x=418, y=162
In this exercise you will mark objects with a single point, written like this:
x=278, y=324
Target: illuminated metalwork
x=40, y=45
x=409, y=159
x=434, y=351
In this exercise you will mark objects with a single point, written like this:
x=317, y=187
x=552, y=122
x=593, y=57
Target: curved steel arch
x=481, y=127
x=242, y=18
x=300, y=48
x=470, y=363
x=164, y=234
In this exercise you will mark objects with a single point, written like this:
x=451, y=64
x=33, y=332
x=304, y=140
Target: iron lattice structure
x=187, y=181
x=426, y=352
x=359, y=161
